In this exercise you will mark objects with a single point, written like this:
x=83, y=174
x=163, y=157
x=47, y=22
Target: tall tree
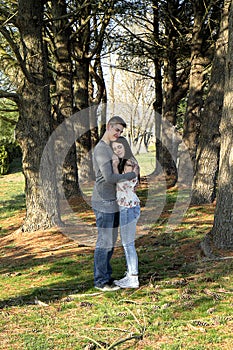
x=196, y=82
x=206, y=16
x=28, y=37
x=175, y=85
x=222, y=231
x=34, y=125
x=207, y=157
x=88, y=40
x=157, y=32
x=62, y=98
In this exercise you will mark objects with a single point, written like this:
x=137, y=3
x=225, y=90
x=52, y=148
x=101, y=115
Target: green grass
x=48, y=302
x=146, y=162
x=12, y=198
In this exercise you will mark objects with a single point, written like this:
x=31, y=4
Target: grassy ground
x=47, y=299
x=146, y=163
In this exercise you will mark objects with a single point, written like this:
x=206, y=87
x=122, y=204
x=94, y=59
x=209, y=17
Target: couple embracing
x=115, y=204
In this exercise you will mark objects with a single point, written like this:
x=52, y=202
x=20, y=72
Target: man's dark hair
x=117, y=120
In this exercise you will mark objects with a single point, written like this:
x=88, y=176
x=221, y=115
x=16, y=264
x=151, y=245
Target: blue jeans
x=128, y=222
x=107, y=224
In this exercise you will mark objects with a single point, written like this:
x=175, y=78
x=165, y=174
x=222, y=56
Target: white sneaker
x=129, y=281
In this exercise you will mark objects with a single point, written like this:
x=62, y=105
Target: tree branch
x=10, y=95
x=8, y=120
x=18, y=56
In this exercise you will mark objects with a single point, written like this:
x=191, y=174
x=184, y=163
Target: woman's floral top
x=126, y=195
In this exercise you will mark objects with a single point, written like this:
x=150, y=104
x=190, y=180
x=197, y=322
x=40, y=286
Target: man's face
x=114, y=131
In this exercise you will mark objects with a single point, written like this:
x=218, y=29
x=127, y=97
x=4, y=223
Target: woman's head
x=122, y=148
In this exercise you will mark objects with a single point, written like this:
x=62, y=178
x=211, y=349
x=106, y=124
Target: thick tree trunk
x=158, y=103
x=81, y=98
x=175, y=86
x=83, y=143
x=207, y=158
x=192, y=118
x=222, y=231
x=166, y=149
x=63, y=100
x=34, y=125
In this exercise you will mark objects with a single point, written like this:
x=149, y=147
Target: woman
x=129, y=204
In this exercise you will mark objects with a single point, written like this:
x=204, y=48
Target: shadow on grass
x=161, y=258
x=52, y=293
x=12, y=205
x=74, y=271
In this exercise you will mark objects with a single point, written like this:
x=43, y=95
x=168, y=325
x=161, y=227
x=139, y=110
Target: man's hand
x=115, y=162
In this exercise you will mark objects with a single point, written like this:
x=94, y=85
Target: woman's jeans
x=107, y=224
x=128, y=222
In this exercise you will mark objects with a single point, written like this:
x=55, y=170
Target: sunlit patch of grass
x=146, y=162
x=12, y=198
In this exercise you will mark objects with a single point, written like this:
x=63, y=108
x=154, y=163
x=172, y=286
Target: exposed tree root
x=206, y=246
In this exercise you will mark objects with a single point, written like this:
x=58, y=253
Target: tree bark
x=174, y=88
x=222, y=231
x=192, y=120
x=194, y=104
x=167, y=150
x=207, y=158
x=63, y=100
x=34, y=125
x=83, y=143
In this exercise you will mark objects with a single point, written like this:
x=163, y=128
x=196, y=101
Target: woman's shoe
x=129, y=281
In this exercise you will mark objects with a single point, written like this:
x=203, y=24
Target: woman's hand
x=136, y=169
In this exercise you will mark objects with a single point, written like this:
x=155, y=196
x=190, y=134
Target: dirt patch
x=17, y=247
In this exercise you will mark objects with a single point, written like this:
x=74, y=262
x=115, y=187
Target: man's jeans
x=107, y=224
x=128, y=222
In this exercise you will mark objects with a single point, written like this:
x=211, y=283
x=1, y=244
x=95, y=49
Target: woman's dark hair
x=128, y=153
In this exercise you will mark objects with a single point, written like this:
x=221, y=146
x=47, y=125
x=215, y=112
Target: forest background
x=91, y=59
x=174, y=56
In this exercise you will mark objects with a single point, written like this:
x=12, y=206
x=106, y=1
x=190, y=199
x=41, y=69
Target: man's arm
x=104, y=161
x=115, y=163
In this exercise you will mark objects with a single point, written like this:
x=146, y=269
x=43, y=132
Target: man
x=104, y=204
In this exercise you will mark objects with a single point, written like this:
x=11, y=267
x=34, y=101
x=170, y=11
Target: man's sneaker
x=129, y=281
x=108, y=288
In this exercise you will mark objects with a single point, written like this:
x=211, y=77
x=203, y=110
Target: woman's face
x=118, y=149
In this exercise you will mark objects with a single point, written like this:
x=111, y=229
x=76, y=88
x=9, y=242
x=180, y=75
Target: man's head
x=117, y=120
x=114, y=129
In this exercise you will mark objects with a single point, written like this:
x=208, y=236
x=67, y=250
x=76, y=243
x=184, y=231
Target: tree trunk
x=81, y=97
x=34, y=125
x=192, y=120
x=63, y=100
x=83, y=143
x=164, y=142
x=168, y=151
x=207, y=158
x=222, y=231
x=195, y=102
